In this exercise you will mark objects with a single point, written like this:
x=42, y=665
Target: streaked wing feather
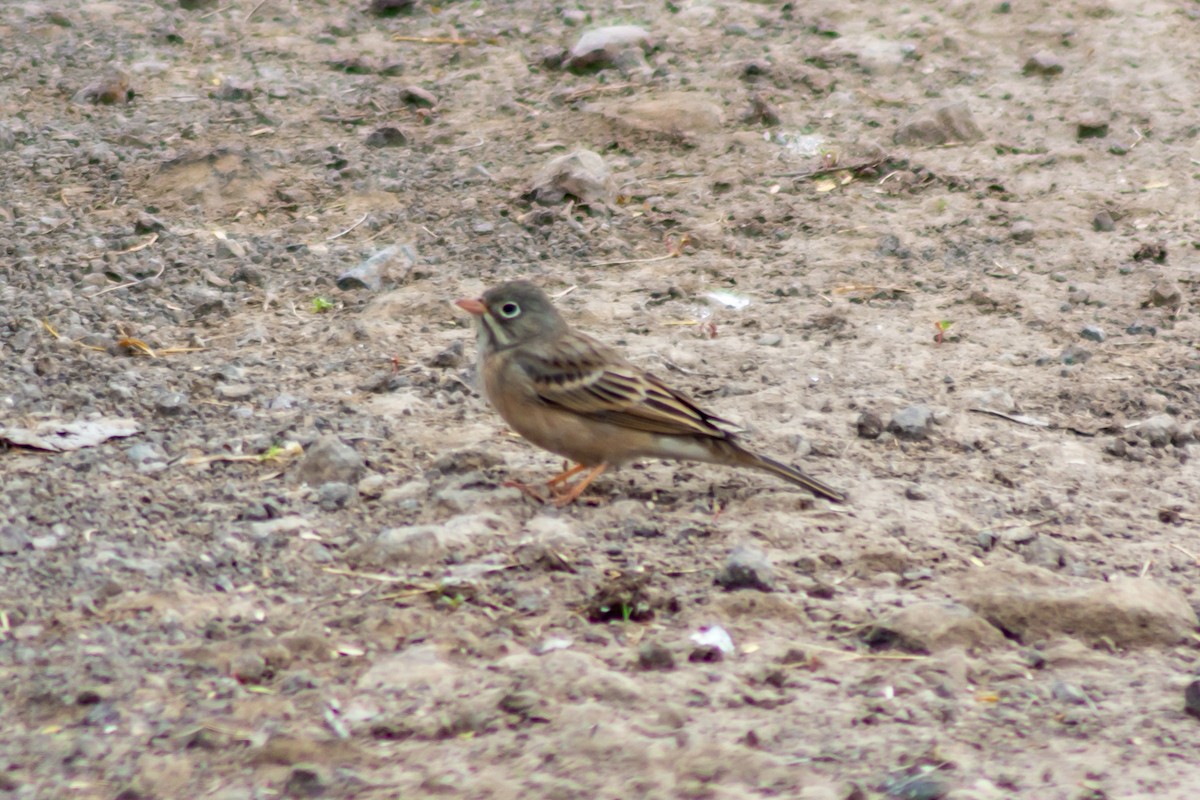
x=579, y=374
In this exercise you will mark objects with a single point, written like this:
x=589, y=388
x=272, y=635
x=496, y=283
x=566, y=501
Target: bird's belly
x=585, y=441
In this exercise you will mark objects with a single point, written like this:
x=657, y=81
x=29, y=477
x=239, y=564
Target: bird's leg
x=565, y=474
x=580, y=485
x=525, y=489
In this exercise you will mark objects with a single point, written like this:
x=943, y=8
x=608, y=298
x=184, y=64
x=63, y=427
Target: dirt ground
x=941, y=255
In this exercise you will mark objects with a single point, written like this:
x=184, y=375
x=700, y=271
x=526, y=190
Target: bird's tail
x=789, y=474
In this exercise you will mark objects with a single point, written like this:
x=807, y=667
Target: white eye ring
x=510, y=310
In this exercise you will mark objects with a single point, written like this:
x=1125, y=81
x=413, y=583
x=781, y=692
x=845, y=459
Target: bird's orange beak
x=475, y=307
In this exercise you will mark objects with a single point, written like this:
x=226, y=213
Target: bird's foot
x=526, y=490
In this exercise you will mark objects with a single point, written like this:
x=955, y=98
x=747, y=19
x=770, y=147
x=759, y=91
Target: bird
x=574, y=396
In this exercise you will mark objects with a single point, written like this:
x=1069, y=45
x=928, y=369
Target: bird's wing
x=579, y=374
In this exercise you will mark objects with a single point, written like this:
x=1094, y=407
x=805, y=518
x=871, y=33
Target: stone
x=387, y=136
x=1073, y=354
x=330, y=460
x=655, y=656
x=1022, y=231
x=1191, y=699
x=868, y=425
x=230, y=248
x=1042, y=63
x=426, y=544
x=600, y=48
x=1157, y=431
x=929, y=627
x=914, y=423
x=1091, y=126
x=334, y=495
x=1093, y=333
x=943, y=124
x=582, y=175
x=1164, y=294
x=1103, y=222
x=169, y=403
x=747, y=567
x=1035, y=604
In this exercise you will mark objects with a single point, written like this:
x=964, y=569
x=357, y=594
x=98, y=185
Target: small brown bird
x=569, y=394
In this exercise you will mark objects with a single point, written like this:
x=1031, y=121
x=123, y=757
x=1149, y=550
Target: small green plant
x=941, y=326
x=321, y=305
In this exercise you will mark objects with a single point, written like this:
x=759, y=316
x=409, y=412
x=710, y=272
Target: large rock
x=1034, y=604
x=931, y=627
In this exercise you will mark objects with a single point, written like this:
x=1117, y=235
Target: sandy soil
x=855, y=228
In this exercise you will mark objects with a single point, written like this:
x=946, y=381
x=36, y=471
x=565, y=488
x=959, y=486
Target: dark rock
x=654, y=656
x=308, y=780
x=246, y=273
x=1151, y=251
x=1191, y=699
x=1093, y=333
x=387, y=136
x=869, y=425
x=747, y=567
x=1092, y=126
x=391, y=8
x=1104, y=222
x=449, y=358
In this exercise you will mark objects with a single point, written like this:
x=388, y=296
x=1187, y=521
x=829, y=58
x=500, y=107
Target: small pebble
x=1165, y=294
x=331, y=460
x=1042, y=63
x=747, y=567
x=655, y=656
x=1191, y=699
x=235, y=391
x=869, y=425
x=334, y=495
x=1022, y=231
x=770, y=340
x=387, y=136
x=914, y=422
x=1092, y=333
x=1091, y=126
x=1103, y=222
x=390, y=8
x=1074, y=354
x=418, y=97
x=170, y=403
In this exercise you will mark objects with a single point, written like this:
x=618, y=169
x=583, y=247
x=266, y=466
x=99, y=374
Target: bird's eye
x=509, y=310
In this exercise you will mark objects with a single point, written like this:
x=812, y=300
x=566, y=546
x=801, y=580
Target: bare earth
x=1003, y=609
